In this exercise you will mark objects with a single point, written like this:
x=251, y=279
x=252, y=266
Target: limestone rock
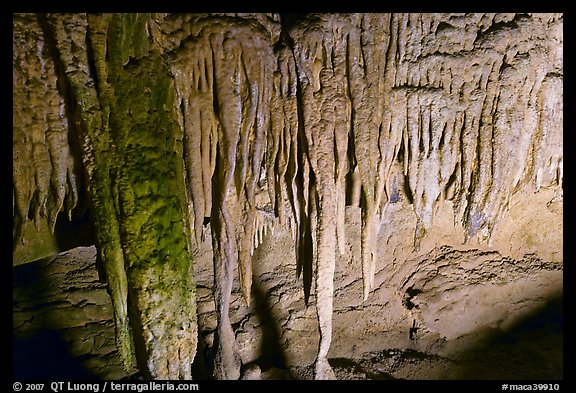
x=61, y=304
x=401, y=174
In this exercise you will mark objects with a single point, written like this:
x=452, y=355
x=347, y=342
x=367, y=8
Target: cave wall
x=459, y=296
x=384, y=145
x=63, y=320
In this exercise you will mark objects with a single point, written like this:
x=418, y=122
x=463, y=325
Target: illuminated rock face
x=408, y=167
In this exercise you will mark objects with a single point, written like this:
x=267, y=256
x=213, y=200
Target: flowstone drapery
x=181, y=121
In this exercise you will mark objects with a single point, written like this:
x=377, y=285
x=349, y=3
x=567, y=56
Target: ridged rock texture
x=69, y=306
x=426, y=130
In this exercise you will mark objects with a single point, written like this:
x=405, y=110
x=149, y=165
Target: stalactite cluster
x=185, y=119
x=224, y=88
x=46, y=177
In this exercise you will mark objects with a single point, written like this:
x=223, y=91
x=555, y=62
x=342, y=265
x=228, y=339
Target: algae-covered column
x=144, y=193
x=150, y=187
x=68, y=35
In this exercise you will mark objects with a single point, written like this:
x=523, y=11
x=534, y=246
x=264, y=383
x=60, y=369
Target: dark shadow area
x=202, y=367
x=44, y=344
x=45, y=355
x=79, y=232
x=291, y=19
x=272, y=355
x=40, y=353
x=137, y=333
x=531, y=349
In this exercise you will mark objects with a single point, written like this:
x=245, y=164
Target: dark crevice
x=501, y=26
x=407, y=190
x=504, y=66
x=289, y=20
x=33, y=206
x=78, y=232
x=410, y=293
x=215, y=104
x=352, y=168
x=304, y=246
x=203, y=367
x=474, y=221
x=409, y=88
x=92, y=64
x=401, y=157
x=461, y=161
x=451, y=183
x=351, y=151
x=400, y=154
x=430, y=133
x=185, y=150
x=413, y=331
x=553, y=75
x=443, y=26
x=442, y=137
x=362, y=46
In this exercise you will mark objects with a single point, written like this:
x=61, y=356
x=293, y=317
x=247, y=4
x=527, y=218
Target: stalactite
x=321, y=56
x=287, y=166
x=263, y=223
x=243, y=97
x=21, y=139
x=42, y=150
x=194, y=84
x=230, y=87
x=423, y=108
x=69, y=35
x=456, y=122
x=282, y=152
x=369, y=56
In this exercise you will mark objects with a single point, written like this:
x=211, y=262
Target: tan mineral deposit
x=288, y=196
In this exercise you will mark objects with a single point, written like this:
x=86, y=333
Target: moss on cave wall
x=40, y=243
x=148, y=175
x=437, y=109
x=122, y=107
x=149, y=196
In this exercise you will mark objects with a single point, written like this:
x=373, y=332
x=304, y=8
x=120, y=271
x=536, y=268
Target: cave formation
x=341, y=184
